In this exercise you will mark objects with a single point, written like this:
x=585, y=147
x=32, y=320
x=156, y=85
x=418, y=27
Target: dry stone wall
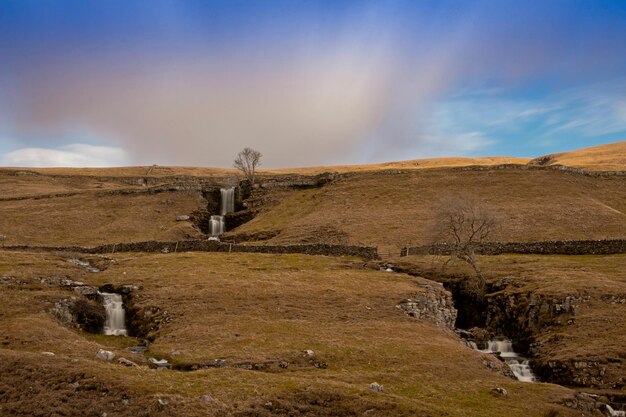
x=366, y=252
x=553, y=247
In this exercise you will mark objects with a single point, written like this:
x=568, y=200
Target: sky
x=306, y=82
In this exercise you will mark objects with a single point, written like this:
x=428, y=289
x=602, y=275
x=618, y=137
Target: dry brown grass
x=392, y=211
x=249, y=307
x=611, y=157
x=87, y=219
x=168, y=171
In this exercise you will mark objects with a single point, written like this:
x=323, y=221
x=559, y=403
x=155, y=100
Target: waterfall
x=519, y=365
x=228, y=200
x=115, y=324
x=227, y=205
x=216, y=225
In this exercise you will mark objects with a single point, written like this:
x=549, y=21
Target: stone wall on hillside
x=366, y=252
x=549, y=247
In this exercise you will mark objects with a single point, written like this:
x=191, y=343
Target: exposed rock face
x=80, y=313
x=432, y=303
x=526, y=316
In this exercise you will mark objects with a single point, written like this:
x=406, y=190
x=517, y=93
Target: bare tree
x=247, y=161
x=463, y=224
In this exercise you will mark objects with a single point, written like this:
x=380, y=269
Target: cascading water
x=519, y=365
x=228, y=200
x=227, y=205
x=216, y=225
x=115, y=324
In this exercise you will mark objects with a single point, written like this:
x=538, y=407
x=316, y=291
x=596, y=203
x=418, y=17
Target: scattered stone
x=127, y=288
x=182, y=218
x=105, y=355
x=309, y=353
x=206, y=398
x=500, y=391
x=161, y=364
x=85, y=264
x=283, y=364
x=86, y=290
x=376, y=387
x=125, y=402
x=163, y=401
x=138, y=349
x=127, y=362
x=47, y=353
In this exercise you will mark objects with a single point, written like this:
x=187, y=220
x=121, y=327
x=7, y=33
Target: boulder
x=182, y=218
x=127, y=362
x=105, y=355
x=162, y=363
x=376, y=387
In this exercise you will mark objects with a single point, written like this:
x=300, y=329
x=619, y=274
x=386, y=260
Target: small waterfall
x=115, y=324
x=216, y=225
x=228, y=200
x=519, y=365
x=227, y=205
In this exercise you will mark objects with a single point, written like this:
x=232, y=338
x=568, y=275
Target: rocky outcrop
x=297, y=181
x=80, y=313
x=431, y=303
x=527, y=318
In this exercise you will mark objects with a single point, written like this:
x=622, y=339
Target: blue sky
x=182, y=82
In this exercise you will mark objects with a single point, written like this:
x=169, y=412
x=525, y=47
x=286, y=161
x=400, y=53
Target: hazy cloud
x=374, y=85
x=76, y=155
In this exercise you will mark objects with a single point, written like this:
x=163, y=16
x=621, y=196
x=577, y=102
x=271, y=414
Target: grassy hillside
x=248, y=309
x=611, y=157
x=396, y=210
x=91, y=219
x=259, y=313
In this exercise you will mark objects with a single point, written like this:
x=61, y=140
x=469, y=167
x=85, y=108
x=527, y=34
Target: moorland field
x=251, y=334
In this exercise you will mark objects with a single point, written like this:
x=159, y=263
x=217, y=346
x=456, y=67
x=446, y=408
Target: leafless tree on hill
x=247, y=161
x=463, y=223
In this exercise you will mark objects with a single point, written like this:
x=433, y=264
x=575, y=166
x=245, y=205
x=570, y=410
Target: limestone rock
x=127, y=362
x=500, y=391
x=105, y=355
x=431, y=303
x=376, y=387
x=160, y=363
x=182, y=218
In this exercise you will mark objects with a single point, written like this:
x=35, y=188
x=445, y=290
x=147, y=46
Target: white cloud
x=75, y=155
